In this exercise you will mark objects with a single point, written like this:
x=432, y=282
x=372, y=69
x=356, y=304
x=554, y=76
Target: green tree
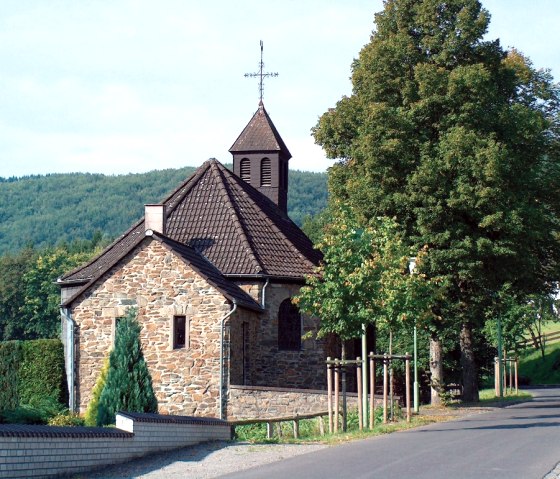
x=364, y=278
x=459, y=141
x=13, y=267
x=91, y=414
x=39, y=314
x=129, y=384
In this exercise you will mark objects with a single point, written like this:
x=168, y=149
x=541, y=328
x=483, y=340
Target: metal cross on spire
x=261, y=75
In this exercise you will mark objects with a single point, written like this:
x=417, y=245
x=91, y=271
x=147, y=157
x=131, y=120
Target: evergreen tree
x=129, y=384
x=90, y=417
x=459, y=140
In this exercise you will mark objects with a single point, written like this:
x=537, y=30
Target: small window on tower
x=266, y=174
x=245, y=170
x=179, y=332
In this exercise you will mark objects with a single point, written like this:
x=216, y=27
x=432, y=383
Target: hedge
x=32, y=373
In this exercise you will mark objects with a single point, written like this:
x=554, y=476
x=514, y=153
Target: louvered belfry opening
x=266, y=172
x=260, y=157
x=245, y=170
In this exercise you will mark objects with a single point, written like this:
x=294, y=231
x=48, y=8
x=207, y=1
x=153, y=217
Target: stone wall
x=293, y=369
x=46, y=451
x=186, y=381
x=252, y=402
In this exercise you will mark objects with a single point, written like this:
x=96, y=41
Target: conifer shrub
x=42, y=376
x=10, y=358
x=129, y=384
x=32, y=381
x=90, y=417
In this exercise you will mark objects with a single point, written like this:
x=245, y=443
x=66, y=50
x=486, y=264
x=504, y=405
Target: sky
x=128, y=86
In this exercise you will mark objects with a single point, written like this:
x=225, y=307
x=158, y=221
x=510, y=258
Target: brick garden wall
x=46, y=451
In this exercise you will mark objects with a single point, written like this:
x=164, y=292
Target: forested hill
x=46, y=210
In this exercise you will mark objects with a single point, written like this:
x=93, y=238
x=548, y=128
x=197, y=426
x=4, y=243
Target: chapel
x=211, y=270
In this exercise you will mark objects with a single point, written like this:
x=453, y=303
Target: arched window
x=266, y=173
x=289, y=326
x=245, y=170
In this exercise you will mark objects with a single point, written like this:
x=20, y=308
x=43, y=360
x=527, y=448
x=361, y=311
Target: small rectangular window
x=179, y=332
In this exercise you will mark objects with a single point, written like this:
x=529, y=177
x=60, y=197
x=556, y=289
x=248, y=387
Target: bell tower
x=260, y=157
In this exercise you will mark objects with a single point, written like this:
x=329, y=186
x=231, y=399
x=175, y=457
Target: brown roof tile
x=260, y=134
x=235, y=227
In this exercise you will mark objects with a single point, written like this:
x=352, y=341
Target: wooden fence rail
x=547, y=338
x=278, y=420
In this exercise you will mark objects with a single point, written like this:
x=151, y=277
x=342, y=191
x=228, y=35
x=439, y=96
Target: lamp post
x=411, y=268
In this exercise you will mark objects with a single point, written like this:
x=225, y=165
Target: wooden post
x=329, y=394
x=372, y=389
x=504, y=373
x=360, y=392
x=385, y=386
x=496, y=377
x=510, y=361
x=279, y=429
x=322, y=425
x=336, y=396
x=296, y=428
x=269, y=430
x=516, y=378
x=407, y=385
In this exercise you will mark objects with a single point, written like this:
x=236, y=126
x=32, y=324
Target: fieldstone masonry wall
x=277, y=368
x=186, y=380
x=151, y=278
x=254, y=402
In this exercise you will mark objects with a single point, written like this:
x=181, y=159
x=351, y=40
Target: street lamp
x=411, y=268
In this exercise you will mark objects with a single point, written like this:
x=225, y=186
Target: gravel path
x=202, y=461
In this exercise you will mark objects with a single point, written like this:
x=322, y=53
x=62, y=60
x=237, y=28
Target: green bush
x=10, y=359
x=37, y=412
x=42, y=374
x=66, y=419
x=32, y=381
x=90, y=416
x=129, y=384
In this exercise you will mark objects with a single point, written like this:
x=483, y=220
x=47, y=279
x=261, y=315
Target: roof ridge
x=193, y=180
x=219, y=169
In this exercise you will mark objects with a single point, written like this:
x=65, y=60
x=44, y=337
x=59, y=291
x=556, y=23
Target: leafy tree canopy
x=364, y=278
x=459, y=141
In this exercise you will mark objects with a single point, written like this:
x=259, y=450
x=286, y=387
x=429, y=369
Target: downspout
x=222, y=326
x=264, y=293
x=65, y=313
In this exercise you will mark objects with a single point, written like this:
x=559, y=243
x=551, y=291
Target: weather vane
x=261, y=75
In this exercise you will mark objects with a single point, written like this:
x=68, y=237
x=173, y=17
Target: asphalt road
x=520, y=441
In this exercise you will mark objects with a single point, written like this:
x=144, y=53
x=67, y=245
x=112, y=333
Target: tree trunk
x=436, y=370
x=470, y=384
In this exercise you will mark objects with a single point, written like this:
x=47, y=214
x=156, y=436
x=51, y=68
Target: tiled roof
x=234, y=226
x=260, y=134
